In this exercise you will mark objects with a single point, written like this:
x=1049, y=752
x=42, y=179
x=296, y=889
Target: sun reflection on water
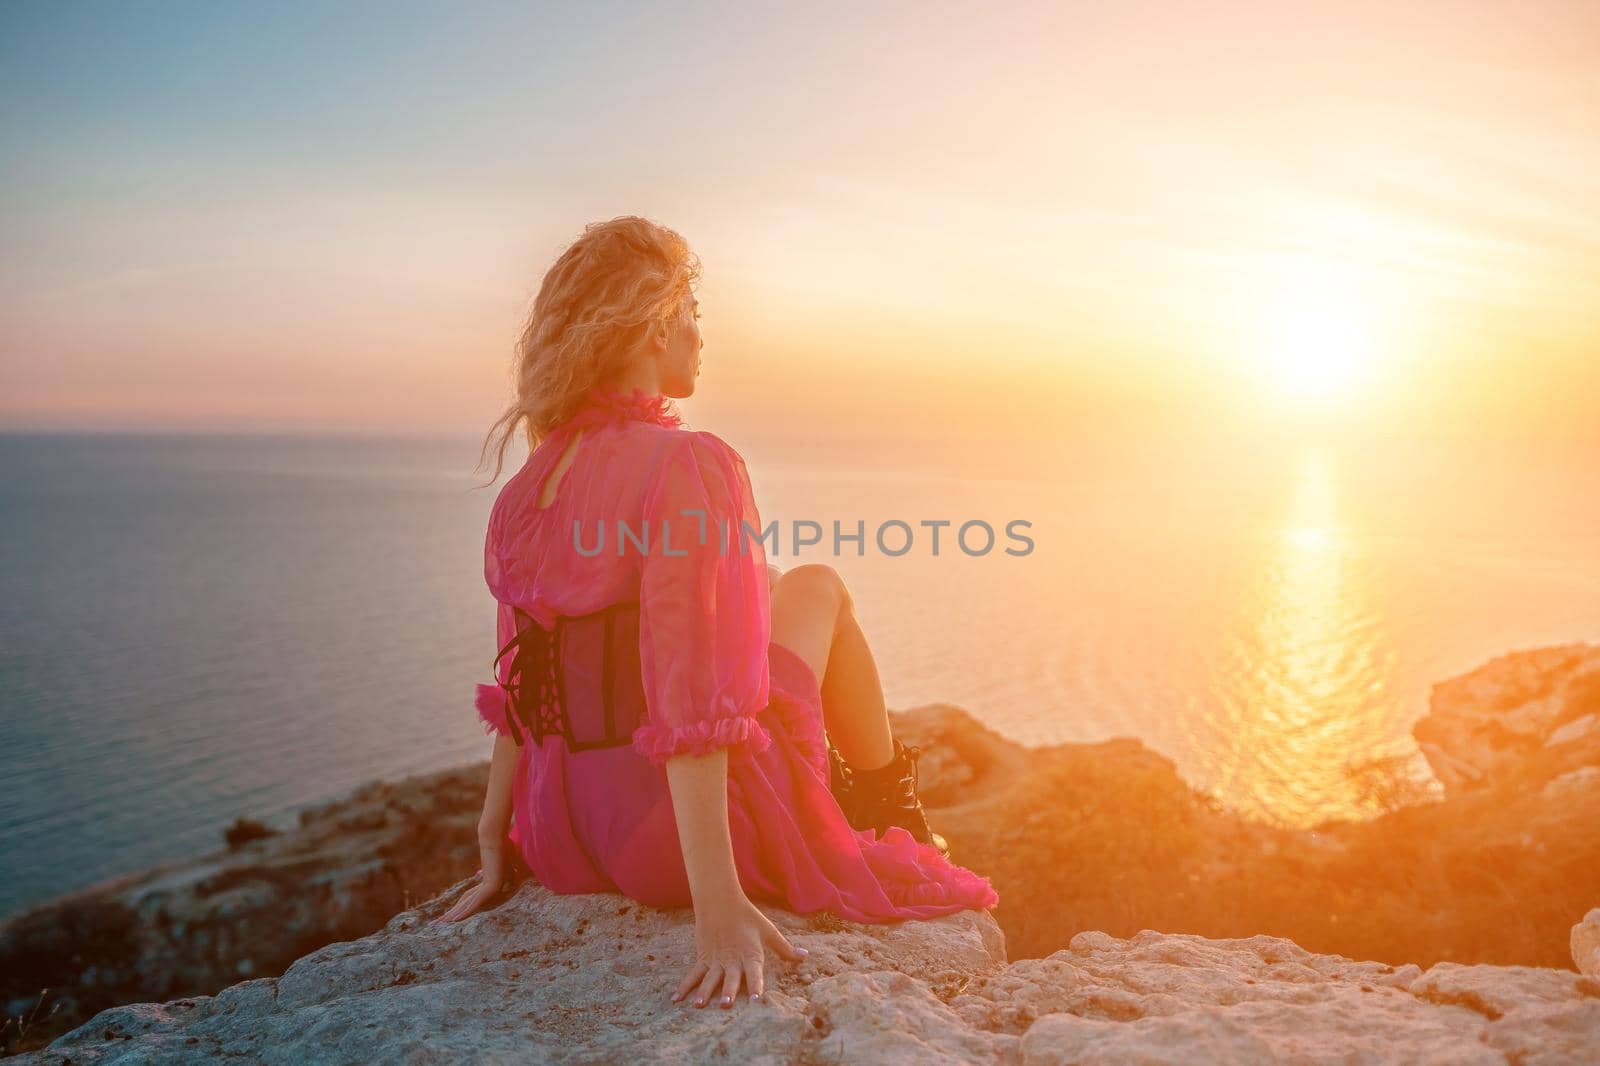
x=1304, y=691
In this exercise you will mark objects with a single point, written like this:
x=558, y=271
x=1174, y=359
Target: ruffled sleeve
x=703, y=605
x=493, y=707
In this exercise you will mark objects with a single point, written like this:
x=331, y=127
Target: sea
x=195, y=628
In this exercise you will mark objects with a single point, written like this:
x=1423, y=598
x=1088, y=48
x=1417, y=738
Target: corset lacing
x=605, y=693
x=533, y=681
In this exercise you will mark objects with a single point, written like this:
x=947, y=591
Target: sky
x=913, y=218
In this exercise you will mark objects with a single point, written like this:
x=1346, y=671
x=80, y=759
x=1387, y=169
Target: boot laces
x=909, y=783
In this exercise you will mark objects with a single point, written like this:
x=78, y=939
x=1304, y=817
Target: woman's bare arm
x=496, y=816
x=731, y=934
x=699, y=787
x=493, y=823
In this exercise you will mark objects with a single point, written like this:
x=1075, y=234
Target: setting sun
x=1317, y=335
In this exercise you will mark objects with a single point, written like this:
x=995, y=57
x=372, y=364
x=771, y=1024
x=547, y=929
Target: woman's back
x=584, y=481
x=652, y=513
x=591, y=522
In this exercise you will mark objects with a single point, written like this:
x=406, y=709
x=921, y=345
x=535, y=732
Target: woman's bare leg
x=813, y=616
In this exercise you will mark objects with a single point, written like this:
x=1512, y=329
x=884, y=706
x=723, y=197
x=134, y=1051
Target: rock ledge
x=547, y=977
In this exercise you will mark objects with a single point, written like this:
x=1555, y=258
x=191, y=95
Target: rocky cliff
x=587, y=979
x=1077, y=837
x=1525, y=719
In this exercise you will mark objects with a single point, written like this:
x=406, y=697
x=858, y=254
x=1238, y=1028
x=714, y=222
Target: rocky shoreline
x=1082, y=841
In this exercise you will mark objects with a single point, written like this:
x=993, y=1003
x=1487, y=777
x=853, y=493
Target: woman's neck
x=641, y=375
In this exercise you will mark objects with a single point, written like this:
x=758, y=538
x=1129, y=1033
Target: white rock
x=1524, y=716
x=1573, y=781
x=1586, y=944
x=1573, y=730
x=561, y=979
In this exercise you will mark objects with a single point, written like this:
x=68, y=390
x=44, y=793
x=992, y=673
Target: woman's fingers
x=470, y=901
x=780, y=943
x=754, y=978
x=730, y=984
x=496, y=860
x=461, y=904
x=464, y=906
x=708, y=987
x=690, y=979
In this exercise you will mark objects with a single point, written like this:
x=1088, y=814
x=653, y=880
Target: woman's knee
x=815, y=581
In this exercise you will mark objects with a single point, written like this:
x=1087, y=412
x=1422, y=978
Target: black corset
x=579, y=680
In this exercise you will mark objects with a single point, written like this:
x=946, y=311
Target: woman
x=666, y=704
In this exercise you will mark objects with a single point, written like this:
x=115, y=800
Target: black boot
x=839, y=778
x=878, y=798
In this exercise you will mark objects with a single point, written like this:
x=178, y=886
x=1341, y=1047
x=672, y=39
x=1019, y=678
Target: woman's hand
x=730, y=945
x=499, y=856
x=497, y=864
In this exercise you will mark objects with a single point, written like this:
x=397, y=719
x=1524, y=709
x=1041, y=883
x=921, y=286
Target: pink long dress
x=601, y=820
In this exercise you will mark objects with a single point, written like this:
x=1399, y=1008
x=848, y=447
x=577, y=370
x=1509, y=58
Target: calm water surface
x=198, y=628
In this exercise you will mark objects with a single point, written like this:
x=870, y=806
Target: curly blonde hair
x=596, y=305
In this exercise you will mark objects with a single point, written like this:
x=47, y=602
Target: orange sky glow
x=1360, y=215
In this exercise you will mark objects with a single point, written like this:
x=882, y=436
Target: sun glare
x=1317, y=337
